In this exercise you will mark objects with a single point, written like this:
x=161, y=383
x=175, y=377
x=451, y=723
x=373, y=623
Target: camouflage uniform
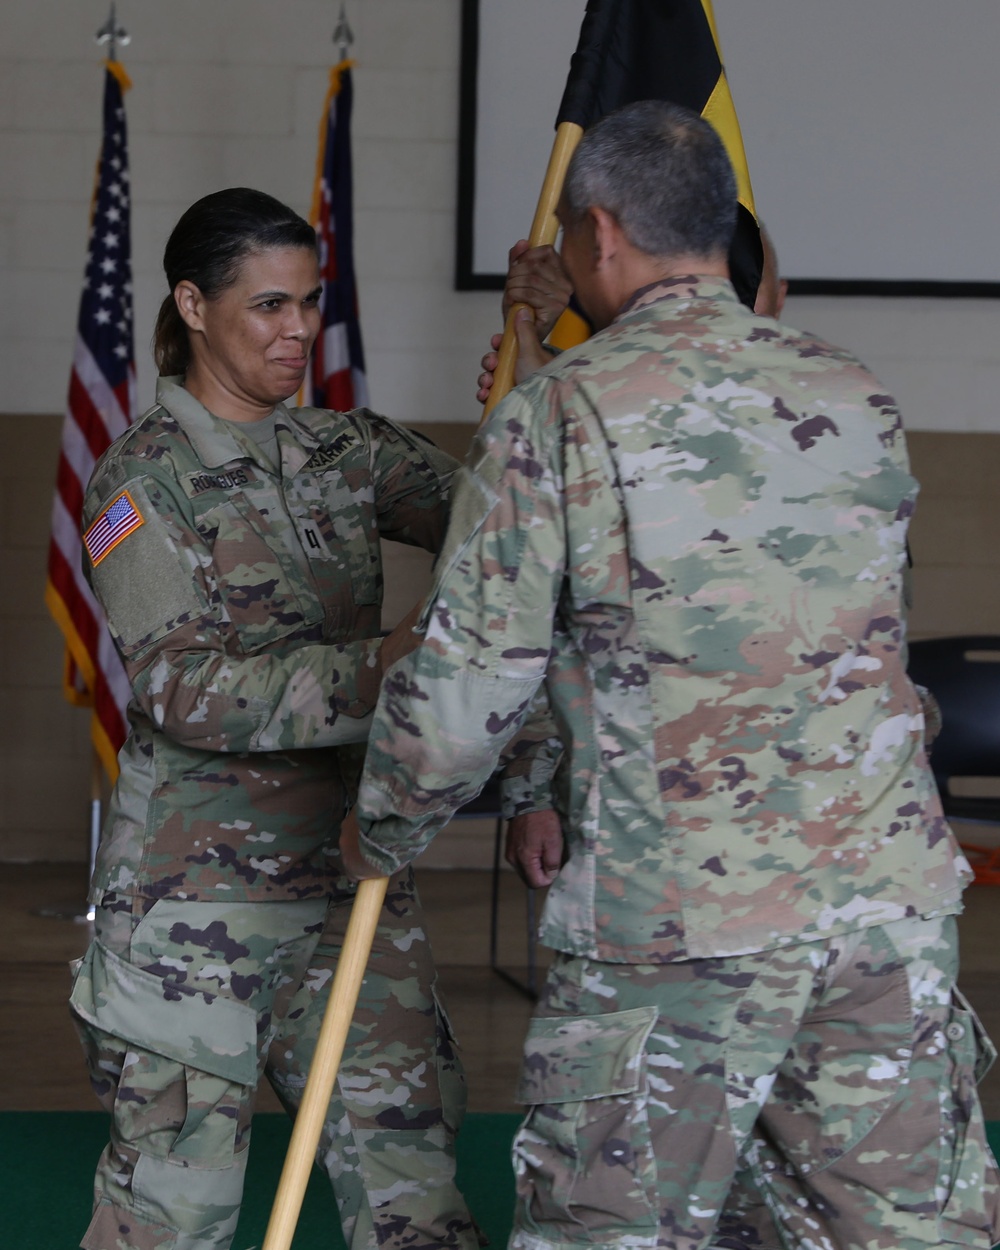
x=245, y=602
x=692, y=529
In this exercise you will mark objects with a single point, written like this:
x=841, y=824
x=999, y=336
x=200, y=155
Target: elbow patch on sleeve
x=145, y=581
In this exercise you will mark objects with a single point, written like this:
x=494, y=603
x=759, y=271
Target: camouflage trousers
x=183, y=1006
x=819, y=1096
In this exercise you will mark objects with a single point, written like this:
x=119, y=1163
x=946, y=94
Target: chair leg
x=532, y=959
x=529, y=988
x=495, y=896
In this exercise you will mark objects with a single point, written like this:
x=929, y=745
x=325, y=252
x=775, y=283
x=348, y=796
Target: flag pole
x=365, y=912
x=81, y=665
x=323, y=1069
x=113, y=34
x=544, y=229
x=343, y=36
x=371, y=894
x=85, y=914
x=96, y=789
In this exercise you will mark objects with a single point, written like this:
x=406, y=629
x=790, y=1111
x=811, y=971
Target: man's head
x=663, y=174
x=658, y=177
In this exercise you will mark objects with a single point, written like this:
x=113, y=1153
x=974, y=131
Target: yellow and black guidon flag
x=662, y=50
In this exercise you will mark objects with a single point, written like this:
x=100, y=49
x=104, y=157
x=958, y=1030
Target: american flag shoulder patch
x=119, y=519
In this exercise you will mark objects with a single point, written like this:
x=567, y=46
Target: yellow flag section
x=570, y=330
x=721, y=112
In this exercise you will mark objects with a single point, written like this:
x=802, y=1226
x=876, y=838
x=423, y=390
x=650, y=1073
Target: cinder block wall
x=45, y=757
x=231, y=93
x=227, y=93
x=955, y=536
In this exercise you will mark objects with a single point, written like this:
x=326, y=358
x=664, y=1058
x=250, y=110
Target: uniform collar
x=217, y=442
x=688, y=286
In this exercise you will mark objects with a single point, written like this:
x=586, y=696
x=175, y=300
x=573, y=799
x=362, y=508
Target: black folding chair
x=963, y=675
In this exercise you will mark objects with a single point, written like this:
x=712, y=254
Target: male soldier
x=692, y=530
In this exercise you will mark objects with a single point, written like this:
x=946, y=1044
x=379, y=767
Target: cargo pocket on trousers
x=189, y=1060
x=583, y=1156
x=968, y=1179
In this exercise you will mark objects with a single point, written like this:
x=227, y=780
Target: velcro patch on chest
x=313, y=543
x=119, y=519
x=229, y=480
x=327, y=456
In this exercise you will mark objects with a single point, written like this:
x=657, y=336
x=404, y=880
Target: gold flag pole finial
x=343, y=36
x=113, y=34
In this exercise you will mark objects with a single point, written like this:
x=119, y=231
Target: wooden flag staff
x=323, y=1071
x=371, y=894
x=339, y=1010
x=544, y=229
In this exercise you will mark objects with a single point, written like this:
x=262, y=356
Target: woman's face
x=253, y=339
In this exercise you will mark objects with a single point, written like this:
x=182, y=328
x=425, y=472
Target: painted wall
x=230, y=92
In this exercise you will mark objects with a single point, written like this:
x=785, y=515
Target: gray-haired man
x=691, y=530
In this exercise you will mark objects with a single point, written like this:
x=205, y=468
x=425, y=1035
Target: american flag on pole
x=101, y=406
x=337, y=375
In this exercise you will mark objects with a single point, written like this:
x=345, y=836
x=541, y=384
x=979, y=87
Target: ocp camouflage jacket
x=245, y=604
x=692, y=529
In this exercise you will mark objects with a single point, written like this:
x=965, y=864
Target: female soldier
x=234, y=545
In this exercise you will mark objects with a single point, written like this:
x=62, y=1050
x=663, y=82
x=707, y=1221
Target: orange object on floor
x=985, y=861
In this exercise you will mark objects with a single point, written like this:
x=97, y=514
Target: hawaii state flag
x=101, y=406
x=337, y=373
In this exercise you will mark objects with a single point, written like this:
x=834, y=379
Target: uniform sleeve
x=448, y=710
x=151, y=572
x=529, y=761
x=412, y=481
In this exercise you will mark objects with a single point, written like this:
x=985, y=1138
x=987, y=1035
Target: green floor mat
x=47, y=1161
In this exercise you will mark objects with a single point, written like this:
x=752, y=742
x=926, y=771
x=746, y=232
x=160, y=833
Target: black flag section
x=664, y=50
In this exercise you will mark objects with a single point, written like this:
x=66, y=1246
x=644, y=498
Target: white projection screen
x=870, y=127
